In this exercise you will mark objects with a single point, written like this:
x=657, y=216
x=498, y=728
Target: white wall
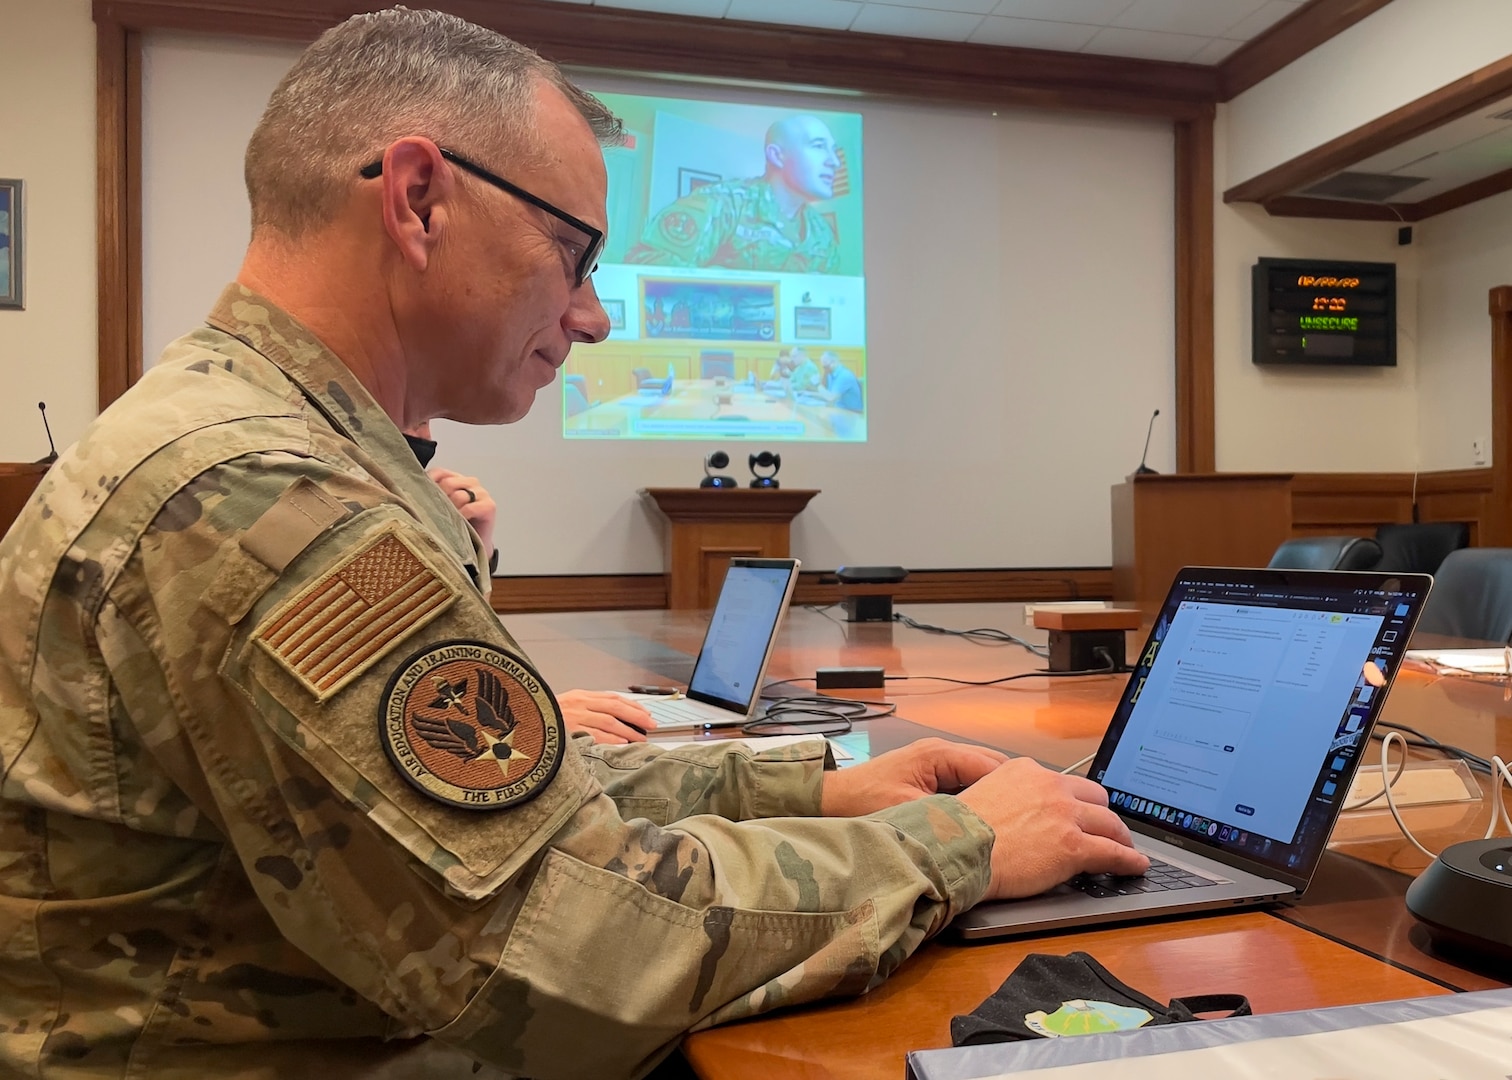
x=1424, y=413
x=1020, y=329
x=1332, y=419
x=47, y=139
x=1401, y=52
x=1462, y=255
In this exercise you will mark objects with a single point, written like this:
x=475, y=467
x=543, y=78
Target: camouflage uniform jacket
x=738, y=224
x=208, y=866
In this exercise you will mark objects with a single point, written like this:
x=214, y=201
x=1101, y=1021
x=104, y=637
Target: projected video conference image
x=733, y=278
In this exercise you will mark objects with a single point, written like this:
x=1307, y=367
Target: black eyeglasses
x=587, y=261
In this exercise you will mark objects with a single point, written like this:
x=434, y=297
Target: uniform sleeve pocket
x=601, y=975
x=656, y=811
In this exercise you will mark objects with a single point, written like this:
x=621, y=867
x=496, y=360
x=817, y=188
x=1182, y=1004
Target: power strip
x=849, y=678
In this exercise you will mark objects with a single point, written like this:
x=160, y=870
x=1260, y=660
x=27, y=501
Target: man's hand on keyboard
x=607, y=716
x=926, y=767
x=1049, y=827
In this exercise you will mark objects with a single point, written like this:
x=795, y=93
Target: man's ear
x=775, y=156
x=417, y=193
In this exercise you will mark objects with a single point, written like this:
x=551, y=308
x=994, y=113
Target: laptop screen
x=730, y=664
x=1250, y=707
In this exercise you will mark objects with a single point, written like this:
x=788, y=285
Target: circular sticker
x=471, y=725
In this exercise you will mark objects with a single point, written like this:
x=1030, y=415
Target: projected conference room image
x=733, y=278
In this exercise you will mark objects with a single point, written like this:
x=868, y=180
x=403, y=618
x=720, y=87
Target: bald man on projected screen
x=766, y=223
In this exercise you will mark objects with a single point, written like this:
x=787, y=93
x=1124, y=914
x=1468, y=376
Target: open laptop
x=732, y=662
x=1233, y=746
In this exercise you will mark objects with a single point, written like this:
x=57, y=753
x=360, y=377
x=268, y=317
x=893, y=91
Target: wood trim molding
x=1337, y=209
x=1355, y=503
x=1463, y=195
x=624, y=40
x=1460, y=98
x=1302, y=206
x=1297, y=34
x=118, y=207
x=625, y=592
x=1499, y=533
x=1196, y=424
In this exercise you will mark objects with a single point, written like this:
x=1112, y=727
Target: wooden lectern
x=710, y=526
x=18, y=479
x=1162, y=523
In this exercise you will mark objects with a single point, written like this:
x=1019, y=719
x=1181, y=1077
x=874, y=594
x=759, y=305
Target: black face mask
x=424, y=449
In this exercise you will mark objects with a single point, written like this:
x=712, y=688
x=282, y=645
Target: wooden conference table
x=1349, y=940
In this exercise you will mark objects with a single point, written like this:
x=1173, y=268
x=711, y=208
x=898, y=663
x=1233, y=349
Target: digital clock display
x=1315, y=312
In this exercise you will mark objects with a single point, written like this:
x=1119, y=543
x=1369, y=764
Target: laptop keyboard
x=1161, y=877
x=681, y=711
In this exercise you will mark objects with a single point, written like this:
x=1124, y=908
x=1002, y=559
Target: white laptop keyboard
x=683, y=712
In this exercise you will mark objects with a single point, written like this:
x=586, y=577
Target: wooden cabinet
x=18, y=479
x=710, y=526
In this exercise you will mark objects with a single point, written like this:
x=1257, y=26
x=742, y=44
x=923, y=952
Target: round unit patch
x=679, y=227
x=471, y=725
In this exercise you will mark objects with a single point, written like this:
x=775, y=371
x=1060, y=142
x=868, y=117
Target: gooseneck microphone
x=51, y=446
x=1145, y=470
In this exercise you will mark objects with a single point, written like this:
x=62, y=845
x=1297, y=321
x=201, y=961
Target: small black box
x=1083, y=650
x=868, y=609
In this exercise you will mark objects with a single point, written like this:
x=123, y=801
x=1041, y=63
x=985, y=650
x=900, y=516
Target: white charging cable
x=1499, y=775
x=1069, y=769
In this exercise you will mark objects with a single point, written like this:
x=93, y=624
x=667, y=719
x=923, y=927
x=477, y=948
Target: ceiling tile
x=913, y=22
x=1032, y=33
x=968, y=7
x=1144, y=44
x=1269, y=15
x=824, y=14
x=709, y=9
x=1215, y=51
x=1205, y=18
x=1092, y=12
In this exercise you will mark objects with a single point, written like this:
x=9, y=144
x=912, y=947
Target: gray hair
x=378, y=77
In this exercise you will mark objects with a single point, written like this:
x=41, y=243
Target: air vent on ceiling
x=1364, y=187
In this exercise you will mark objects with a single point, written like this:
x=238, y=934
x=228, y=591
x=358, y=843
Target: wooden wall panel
x=1196, y=423
x=118, y=207
x=1325, y=504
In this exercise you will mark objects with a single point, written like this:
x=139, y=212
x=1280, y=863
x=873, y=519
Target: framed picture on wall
x=690, y=180
x=811, y=323
x=10, y=244
x=616, y=312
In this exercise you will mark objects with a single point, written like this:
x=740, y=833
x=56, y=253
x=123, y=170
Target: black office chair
x=1420, y=547
x=1472, y=596
x=1326, y=553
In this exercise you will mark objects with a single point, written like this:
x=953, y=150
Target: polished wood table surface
x=1348, y=940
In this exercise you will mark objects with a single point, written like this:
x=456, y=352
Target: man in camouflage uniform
x=280, y=797
x=768, y=223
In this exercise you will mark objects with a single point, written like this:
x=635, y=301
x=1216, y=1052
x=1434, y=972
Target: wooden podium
x=18, y=479
x=1162, y=523
x=712, y=525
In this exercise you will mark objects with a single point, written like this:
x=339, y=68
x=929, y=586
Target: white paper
x=1468, y=1046
x=755, y=742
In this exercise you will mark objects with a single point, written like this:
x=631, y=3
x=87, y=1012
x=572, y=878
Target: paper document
x=755, y=742
x=1497, y=661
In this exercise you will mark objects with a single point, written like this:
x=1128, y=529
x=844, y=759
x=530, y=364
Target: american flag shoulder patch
x=352, y=615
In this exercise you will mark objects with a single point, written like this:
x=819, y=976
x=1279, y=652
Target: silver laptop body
x=737, y=647
x=1233, y=746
